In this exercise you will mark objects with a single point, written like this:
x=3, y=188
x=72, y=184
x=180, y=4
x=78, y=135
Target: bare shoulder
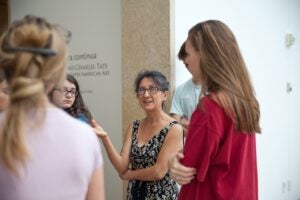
x=175, y=136
x=129, y=130
x=176, y=129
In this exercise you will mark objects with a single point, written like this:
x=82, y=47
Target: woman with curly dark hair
x=148, y=144
x=68, y=97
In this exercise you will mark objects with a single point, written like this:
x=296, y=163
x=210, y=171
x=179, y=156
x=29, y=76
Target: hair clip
x=42, y=51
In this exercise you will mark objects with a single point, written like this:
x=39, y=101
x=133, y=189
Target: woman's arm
x=96, y=186
x=119, y=160
x=172, y=144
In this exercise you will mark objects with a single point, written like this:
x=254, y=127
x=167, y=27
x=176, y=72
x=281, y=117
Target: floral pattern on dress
x=146, y=156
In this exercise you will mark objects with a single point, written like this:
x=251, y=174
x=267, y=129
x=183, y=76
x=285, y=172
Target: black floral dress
x=146, y=156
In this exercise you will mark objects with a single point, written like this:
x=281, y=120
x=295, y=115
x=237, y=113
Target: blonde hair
x=224, y=73
x=33, y=55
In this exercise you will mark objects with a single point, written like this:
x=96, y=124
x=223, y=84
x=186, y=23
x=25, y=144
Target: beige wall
x=147, y=43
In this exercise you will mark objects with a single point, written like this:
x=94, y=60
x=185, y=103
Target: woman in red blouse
x=219, y=157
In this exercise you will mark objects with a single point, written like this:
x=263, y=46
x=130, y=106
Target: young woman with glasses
x=68, y=97
x=149, y=143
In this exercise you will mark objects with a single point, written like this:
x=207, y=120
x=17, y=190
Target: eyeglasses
x=65, y=91
x=151, y=90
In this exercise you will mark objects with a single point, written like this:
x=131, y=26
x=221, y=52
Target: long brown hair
x=78, y=106
x=224, y=73
x=32, y=54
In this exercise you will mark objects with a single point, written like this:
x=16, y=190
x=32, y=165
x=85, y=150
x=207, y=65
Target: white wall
x=96, y=30
x=260, y=27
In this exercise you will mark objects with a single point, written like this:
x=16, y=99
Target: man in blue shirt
x=186, y=95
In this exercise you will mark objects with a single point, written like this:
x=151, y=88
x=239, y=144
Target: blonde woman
x=44, y=152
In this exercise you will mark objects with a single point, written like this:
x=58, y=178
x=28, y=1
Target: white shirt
x=185, y=99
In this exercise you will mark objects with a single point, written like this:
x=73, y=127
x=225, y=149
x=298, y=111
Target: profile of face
x=192, y=60
x=64, y=96
x=4, y=98
x=149, y=95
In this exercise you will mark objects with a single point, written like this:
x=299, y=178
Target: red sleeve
x=201, y=144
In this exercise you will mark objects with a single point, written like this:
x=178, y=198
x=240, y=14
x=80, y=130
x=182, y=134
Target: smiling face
x=64, y=96
x=152, y=97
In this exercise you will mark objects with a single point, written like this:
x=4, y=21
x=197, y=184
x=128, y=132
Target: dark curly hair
x=158, y=78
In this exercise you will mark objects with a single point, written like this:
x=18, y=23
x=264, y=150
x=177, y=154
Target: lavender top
x=64, y=153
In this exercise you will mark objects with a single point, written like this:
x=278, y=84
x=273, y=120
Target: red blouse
x=224, y=158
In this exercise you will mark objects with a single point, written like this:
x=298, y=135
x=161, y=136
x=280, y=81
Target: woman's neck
x=196, y=81
x=156, y=117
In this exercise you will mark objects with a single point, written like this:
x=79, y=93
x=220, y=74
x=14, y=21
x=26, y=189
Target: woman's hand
x=98, y=129
x=181, y=174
